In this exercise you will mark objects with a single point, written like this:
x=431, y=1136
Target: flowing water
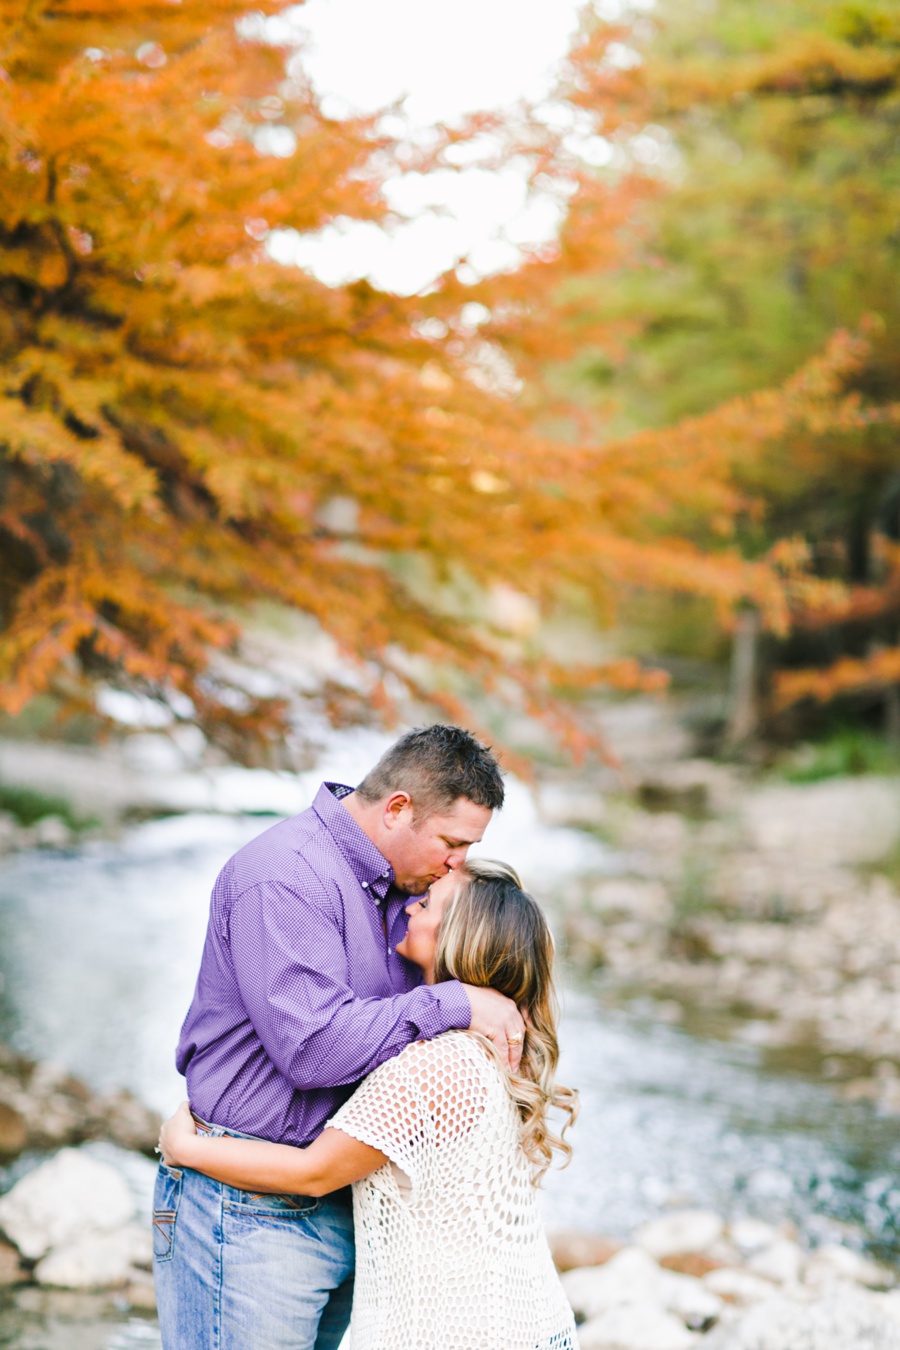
x=99, y=953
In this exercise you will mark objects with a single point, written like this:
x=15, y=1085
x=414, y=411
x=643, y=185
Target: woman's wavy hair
x=493, y=934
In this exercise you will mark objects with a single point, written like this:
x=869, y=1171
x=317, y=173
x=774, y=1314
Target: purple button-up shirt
x=301, y=992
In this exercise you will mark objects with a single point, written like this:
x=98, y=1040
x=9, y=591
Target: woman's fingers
x=499, y=1019
x=178, y=1126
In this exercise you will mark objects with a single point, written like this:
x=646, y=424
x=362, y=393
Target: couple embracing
x=344, y=1032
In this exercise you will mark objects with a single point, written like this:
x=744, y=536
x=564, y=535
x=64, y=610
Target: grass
x=888, y=866
x=847, y=752
x=29, y=806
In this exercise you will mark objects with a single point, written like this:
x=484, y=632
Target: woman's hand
x=176, y=1136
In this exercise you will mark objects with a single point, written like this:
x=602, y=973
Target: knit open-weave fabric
x=450, y=1249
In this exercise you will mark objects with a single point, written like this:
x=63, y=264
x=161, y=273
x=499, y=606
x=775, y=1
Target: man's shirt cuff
x=442, y=1007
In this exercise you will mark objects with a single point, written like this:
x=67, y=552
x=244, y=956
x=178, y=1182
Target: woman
x=444, y=1147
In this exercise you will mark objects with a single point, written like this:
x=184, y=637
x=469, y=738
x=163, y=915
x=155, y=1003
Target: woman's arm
x=330, y=1162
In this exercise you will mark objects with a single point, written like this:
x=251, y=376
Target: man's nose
x=457, y=856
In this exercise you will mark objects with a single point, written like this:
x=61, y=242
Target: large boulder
x=97, y=1260
x=847, y=1318
x=65, y=1198
x=686, y=1230
x=633, y=1277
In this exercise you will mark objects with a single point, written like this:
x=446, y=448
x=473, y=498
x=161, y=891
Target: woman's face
x=425, y=915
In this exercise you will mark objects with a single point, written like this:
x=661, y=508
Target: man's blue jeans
x=237, y=1271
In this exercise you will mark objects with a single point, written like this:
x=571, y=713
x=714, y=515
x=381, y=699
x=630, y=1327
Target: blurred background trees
x=773, y=131
x=188, y=428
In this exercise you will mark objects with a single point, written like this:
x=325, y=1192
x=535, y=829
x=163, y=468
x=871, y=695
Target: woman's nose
x=411, y=907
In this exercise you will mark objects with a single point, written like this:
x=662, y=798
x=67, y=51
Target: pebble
x=571, y=1250
x=781, y=1262
x=11, y=1269
x=752, y=1235
x=738, y=1286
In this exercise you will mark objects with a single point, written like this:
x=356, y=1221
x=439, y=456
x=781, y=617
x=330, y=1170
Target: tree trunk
x=743, y=712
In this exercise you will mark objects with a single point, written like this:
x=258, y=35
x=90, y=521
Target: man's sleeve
x=291, y=967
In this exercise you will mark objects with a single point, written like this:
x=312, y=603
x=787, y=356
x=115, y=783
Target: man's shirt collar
x=369, y=865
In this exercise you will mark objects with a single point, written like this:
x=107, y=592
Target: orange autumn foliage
x=180, y=413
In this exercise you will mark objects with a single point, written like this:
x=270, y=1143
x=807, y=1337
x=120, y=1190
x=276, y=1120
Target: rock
x=832, y=1262
x=96, y=1260
x=697, y=1306
x=781, y=1262
x=632, y=1326
x=738, y=1286
x=13, y=1131
x=66, y=1197
x=10, y=832
x=120, y=1117
x=52, y=832
x=687, y=1230
x=688, y=799
x=890, y=1303
x=139, y=1292
x=847, y=1319
x=139, y=1173
x=11, y=1269
x=571, y=1250
x=631, y=1276
x=58, y=1109
x=696, y=1264
x=751, y=1235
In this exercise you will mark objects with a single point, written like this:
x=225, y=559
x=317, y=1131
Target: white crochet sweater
x=450, y=1249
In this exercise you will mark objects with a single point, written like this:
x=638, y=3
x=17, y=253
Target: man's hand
x=499, y=1019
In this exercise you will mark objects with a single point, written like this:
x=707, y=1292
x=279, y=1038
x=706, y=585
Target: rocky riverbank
x=778, y=904
x=78, y=1219
x=687, y=1279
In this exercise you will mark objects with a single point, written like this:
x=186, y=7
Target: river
x=99, y=955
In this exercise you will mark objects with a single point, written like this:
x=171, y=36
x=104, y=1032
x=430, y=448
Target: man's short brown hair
x=436, y=765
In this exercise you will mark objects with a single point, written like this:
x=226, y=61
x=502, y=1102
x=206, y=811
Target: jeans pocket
x=166, y=1198
x=281, y=1207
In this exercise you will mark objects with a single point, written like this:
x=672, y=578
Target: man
x=301, y=994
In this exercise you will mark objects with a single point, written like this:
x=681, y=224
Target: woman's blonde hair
x=493, y=934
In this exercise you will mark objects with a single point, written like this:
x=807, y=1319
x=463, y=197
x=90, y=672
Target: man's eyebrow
x=457, y=843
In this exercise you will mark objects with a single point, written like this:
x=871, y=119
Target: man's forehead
x=463, y=819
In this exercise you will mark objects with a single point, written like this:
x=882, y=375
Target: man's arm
x=291, y=966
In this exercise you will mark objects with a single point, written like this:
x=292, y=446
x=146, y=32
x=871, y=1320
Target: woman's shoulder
x=453, y=1054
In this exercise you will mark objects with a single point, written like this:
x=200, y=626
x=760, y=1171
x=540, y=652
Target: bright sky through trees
x=444, y=61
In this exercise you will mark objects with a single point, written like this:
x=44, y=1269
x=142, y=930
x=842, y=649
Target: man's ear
x=396, y=808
